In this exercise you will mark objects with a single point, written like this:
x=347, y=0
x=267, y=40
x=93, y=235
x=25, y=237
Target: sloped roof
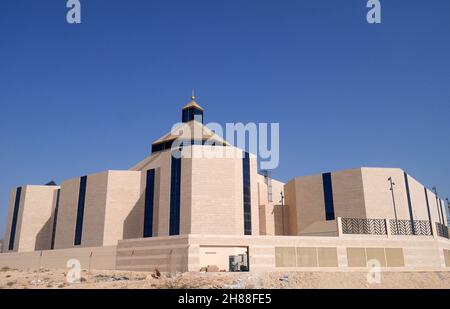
x=191, y=130
x=194, y=105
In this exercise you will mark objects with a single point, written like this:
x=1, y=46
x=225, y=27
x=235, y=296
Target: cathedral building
x=186, y=208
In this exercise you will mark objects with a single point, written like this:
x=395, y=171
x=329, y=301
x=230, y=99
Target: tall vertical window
x=442, y=211
x=438, y=210
x=175, y=189
x=247, y=194
x=55, y=220
x=149, y=203
x=328, y=196
x=408, y=195
x=428, y=204
x=12, y=234
x=447, y=212
x=80, y=211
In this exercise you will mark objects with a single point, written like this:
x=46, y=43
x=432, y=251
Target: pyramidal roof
x=193, y=104
x=191, y=130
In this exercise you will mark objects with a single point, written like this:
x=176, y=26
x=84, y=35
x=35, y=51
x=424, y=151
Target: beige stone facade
x=271, y=199
x=359, y=193
x=34, y=219
x=211, y=207
x=110, y=210
x=103, y=208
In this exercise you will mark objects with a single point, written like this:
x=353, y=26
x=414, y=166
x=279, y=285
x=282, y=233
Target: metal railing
x=442, y=230
x=408, y=227
x=360, y=226
x=364, y=226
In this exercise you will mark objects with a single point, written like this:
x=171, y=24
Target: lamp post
x=392, y=184
x=282, y=211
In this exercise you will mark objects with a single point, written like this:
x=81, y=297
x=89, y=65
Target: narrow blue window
x=442, y=211
x=12, y=235
x=247, y=194
x=55, y=220
x=408, y=195
x=175, y=188
x=428, y=204
x=328, y=196
x=80, y=211
x=149, y=203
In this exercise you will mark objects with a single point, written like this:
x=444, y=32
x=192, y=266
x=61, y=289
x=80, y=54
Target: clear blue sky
x=78, y=99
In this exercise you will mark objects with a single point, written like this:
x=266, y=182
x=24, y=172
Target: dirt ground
x=44, y=279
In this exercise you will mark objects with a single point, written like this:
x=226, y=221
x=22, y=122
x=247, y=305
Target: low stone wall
x=167, y=254
x=270, y=253
x=411, y=253
x=265, y=253
x=90, y=258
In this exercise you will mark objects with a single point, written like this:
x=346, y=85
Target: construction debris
x=212, y=269
x=237, y=285
x=285, y=279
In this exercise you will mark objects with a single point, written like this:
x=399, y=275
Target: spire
x=193, y=103
x=192, y=111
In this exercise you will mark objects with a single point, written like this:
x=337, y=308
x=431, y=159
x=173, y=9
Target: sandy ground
x=17, y=279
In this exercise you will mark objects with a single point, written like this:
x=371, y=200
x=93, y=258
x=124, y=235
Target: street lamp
x=392, y=184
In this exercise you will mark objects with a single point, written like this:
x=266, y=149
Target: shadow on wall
x=133, y=225
x=278, y=214
x=44, y=236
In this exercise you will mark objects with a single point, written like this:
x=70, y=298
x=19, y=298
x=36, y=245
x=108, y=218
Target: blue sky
x=78, y=99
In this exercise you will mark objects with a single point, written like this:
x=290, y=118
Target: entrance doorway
x=224, y=258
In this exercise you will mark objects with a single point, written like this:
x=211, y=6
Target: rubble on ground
x=43, y=279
